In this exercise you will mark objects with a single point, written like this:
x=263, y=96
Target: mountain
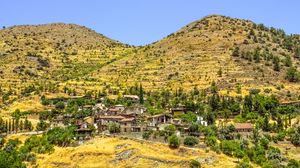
x=234, y=53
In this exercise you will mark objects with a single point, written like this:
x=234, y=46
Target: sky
x=140, y=22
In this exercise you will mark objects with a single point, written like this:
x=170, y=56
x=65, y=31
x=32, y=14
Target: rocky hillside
x=232, y=52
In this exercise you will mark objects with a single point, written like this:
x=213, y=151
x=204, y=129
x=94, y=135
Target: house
x=103, y=121
x=119, y=107
x=99, y=107
x=132, y=98
x=178, y=111
x=58, y=121
x=83, y=131
x=137, y=110
x=201, y=121
x=157, y=122
x=86, y=107
x=129, y=125
x=243, y=127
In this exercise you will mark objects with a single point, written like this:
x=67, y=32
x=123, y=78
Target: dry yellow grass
x=102, y=152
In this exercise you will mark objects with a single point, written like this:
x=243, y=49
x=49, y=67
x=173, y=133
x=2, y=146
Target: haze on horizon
x=139, y=23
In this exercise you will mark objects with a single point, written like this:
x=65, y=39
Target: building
x=157, y=122
x=243, y=127
x=129, y=125
x=103, y=121
x=178, y=111
x=83, y=131
x=132, y=98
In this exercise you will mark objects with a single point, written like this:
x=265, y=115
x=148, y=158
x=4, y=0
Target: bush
x=244, y=164
x=146, y=135
x=42, y=126
x=195, y=164
x=292, y=75
x=170, y=130
x=190, y=141
x=174, y=141
x=114, y=128
x=210, y=140
x=293, y=164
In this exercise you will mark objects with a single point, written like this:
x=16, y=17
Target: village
x=134, y=121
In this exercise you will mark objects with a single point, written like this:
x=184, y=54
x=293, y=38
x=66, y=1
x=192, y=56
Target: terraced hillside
x=235, y=53
x=202, y=52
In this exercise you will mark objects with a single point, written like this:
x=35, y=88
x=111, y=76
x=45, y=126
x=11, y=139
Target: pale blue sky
x=140, y=22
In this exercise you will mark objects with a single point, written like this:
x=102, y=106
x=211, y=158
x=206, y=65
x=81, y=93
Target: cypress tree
x=141, y=94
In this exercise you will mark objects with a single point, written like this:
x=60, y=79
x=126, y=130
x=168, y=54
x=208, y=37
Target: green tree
x=141, y=94
x=42, y=126
x=174, y=141
x=276, y=63
x=190, y=141
x=236, y=52
x=195, y=164
x=288, y=61
x=293, y=164
x=292, y=75
x=170, y=130
x=295, y=137
x=114, y=128
x=256, y=55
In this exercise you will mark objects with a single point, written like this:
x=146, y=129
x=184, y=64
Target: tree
x=288, y=61
x=295, y=137
x=195, y=164
x=114, y=128
x=297, y=52
x=27, y=125
x=220, y=72
x=213, y=87
x=170, y=130
x=141, y=94
x=190, y=141
x=174, y=141
x=245, y=163
x=236, y=52
x=61, y=136
x=293, y=164
x=292, y=75
x=256, y=55
x=60, y=105
x=42, y=126
x=276, y=63
x=189, y=117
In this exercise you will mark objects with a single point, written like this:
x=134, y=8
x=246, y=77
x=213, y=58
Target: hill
x=203, y=51
x=234, y=53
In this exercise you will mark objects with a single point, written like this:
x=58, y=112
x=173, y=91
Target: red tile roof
x=243, y=126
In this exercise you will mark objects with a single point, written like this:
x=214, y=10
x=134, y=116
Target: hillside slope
x=194, y=55
x=116, y=152
x=66, y=55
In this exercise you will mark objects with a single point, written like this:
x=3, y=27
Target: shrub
x=146, y=135
x=293, y=164
x=42, y=126
x=210, y=140
x=244, y=164
x=114, y=128
x=190, y=141
x=174, y=141
x=195, y=164
x=170, y=129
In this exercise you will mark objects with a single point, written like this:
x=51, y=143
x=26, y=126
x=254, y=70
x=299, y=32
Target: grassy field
x=116, y=152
